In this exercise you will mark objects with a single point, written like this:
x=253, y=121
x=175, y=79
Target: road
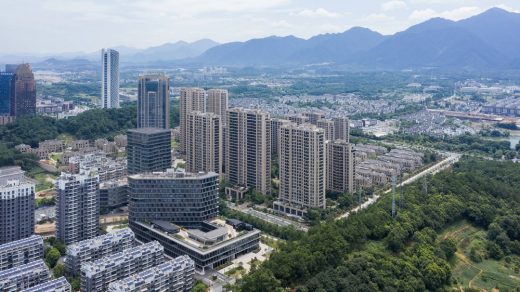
x=277, y=220
x=450, y=159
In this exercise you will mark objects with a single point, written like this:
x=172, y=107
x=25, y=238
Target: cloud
x=394, y=5
x=378, y=17
x=320, y=12
x=454, y=14
x=421, y=15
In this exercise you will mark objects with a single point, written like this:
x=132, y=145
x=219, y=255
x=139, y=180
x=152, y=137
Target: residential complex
x=97, y=248
x=191, y=99
x=56, y=285
x=340, y=166
x=77, y=206
x=174, y=275
x=96, y=275
x=20, y=252
x=153, y=101
x=184, y=198
x=16, y=204
x=248, y=149
x=342, y=129
x=204, y=142
x=217, y=103
x=302, y=169
x=275, y=134
x=109, y=78
x=328, y=127
x=149, y=149
x=22, y=277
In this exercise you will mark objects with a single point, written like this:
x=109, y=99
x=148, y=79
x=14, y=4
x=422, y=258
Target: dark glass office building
x=149, y=149
x=23, y=91
x=153, y=101
x=6, y=80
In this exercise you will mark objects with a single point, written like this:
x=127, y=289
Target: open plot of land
x=487, y=274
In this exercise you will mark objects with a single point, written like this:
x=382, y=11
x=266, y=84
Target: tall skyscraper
x=276, y=124
x=218, y=103
x=6, y=80
x=340, y=166
x=149, y=149
x=248, y=149
x=16, y=205
x=204, y=142
x=342, y=129
x=153, y=101
x=77, y=206
x=23, y=90
x=302, y=173
x=329, y=128
x=191, y=99
x=109, y=78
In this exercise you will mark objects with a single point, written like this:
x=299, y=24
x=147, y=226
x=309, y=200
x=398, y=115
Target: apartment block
x=20, y=252
x=191, y=99
x=217, y=103
x=204, y=142
x=275, y=134
x=77, y=206
x=149, y=149
x=340, y=166
x=16, y=204
x=25, y=276
x=302, y=169
x=342, y=129
x=96, y=275
x=97, y=248
x=174, y=275
x=328, y=127
x=248, y=149
x=314, y=117
x=56, y=285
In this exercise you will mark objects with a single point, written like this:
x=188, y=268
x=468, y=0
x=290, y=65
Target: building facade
x=204, y=142
x=25, y=276
x=342, y=129
x=275, y=134
x=113, y=194
x=248, y=149
x=182, y=198
x=97, y=248
x=191, y=99
x=23, y=90
x=56, y=285
x=16, y=205
x=77, y=206
x=20, y=252
x=302, y=169
x=217, y=103
x=340, y=166
x=328, y=127
x=149, y=149
x=109, y=78
x=96, y=275
x=175, y=275
x=6, y=80
x=153, y=101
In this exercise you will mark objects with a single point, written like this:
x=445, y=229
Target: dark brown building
x=23, y=91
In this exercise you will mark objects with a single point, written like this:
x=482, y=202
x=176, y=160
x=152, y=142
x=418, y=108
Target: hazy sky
x=46, y=26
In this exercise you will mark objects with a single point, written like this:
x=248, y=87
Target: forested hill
x=371, y=251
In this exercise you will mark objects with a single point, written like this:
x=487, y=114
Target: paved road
x=277, y=220
x=450, y=159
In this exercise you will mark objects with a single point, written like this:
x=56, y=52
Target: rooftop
x=172, y=174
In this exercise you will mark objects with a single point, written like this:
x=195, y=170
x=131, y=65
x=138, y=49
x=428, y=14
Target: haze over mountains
x=486, y=41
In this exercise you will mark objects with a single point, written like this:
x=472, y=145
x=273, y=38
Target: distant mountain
x=291, y=50
x=435, y=43
x=171, y=51
x=486, y=41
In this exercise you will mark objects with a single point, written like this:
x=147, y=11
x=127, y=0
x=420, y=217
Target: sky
x=57, y=26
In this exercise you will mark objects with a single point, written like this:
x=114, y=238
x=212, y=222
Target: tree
x=52, y=255
x=260, y=281
x=59, y=270
x=449, y=247
x=199, y=287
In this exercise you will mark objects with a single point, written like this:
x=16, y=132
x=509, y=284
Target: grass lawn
x=489, y=273
x=44, y=179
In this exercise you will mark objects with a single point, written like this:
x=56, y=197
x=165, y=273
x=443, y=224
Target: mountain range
x=489, y=40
